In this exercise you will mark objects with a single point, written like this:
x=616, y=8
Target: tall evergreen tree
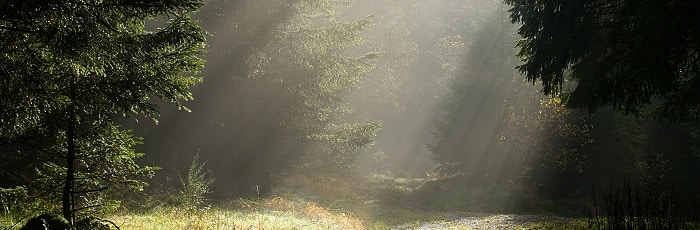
x=69, y=67
x=625, y=54
x=303, y=58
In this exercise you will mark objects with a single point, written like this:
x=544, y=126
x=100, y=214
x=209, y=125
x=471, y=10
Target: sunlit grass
x=219, y=219
x=275, y=213
x=378, y=207
x=377, y=202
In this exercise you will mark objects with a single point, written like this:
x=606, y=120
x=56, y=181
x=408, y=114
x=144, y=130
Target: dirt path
x=481, y=221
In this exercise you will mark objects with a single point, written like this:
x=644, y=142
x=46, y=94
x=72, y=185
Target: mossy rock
x=47, y=221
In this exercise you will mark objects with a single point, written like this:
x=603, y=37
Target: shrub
x=196, y=185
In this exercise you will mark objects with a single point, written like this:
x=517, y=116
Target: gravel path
x=480, y=221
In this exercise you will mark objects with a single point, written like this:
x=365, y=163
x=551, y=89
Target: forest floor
x=381, y=202
x=376, y=202
x=284, y=214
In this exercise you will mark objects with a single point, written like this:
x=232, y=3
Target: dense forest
x=357, y=114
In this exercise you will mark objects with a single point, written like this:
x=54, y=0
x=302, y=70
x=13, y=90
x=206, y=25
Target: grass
x=276, y=213
x=376, y=202
x=302, y=203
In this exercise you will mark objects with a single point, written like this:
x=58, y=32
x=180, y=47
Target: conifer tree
x=69, y=67
x=304, y=58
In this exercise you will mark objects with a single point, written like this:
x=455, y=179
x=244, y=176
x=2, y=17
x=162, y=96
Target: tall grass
x=275, y=213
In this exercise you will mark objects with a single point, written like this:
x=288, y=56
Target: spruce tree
x=69, y=67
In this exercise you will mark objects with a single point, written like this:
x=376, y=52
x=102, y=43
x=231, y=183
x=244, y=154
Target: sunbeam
x=349, y=114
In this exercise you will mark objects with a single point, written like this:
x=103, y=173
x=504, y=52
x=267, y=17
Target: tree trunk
x=70, y=176
x=67, y=204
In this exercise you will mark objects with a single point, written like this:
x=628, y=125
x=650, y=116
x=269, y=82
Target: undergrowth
x=275, y=213
x=303, y=202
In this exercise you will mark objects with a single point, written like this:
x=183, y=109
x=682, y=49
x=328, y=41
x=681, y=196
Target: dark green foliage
x=68, y=68
x=115, y=63
x=106, y=167
x=626, y=54
x=47, y=221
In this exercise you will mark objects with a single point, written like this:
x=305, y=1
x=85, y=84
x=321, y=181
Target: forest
x=349, y=114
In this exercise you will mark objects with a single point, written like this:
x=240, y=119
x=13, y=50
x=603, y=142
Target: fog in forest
x=425, y=48
x=400, y=113
x=444, y=88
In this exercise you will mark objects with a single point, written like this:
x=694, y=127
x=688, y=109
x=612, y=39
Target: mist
x=444, y=87
x=412, y=114
x=423, y=47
